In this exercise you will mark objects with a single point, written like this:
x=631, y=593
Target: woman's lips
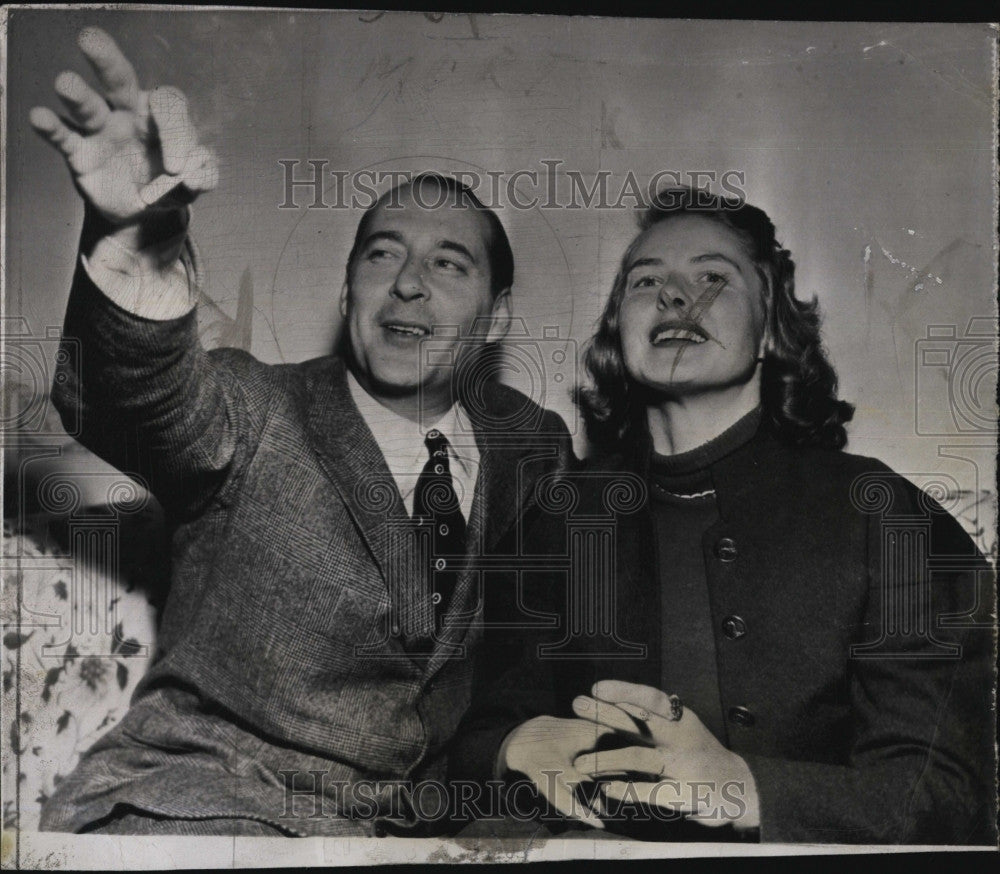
x=688, y=332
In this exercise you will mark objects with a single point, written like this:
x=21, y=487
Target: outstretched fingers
x=190, y=169
x=114, y=72
x=177, y=135
x=201, y=172
x=86, y=109
x=54, y=131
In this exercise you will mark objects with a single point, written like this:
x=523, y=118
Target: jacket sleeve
x=921, y=766
x=511, y=686
x=150, y=401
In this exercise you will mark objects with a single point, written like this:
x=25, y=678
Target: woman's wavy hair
x=798, y=382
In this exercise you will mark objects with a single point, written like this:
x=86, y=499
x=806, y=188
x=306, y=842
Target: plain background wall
x=870, y=145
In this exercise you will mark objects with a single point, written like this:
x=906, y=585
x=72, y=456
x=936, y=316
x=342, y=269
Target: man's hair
x=498, y=251
x=798, y=382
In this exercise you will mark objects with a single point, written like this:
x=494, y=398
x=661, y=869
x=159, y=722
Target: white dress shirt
x=402, y=443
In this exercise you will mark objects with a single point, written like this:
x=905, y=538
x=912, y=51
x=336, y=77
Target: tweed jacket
x=854, y=640
x=282, y=655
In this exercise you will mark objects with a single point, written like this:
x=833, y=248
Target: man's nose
x=409, y=282
x=674, y=293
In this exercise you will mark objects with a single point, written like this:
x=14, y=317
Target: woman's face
x=693, y=313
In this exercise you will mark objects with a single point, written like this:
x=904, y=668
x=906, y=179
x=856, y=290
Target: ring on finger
x=676, y=707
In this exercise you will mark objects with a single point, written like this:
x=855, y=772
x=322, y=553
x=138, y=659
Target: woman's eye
x=645, y=282
x=378, y=255
x=713, y=278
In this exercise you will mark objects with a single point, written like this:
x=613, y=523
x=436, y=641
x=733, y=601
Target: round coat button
x=741, y=716
x=436, y=598
x=439, y=468
x=440, y=564
x=734, y=627
x=443, y=530
x=725, y=549
x=434, y=434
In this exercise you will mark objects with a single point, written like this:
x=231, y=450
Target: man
x=315, y=644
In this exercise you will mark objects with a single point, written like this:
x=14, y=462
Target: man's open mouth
x=689, y=332
x=407, y=329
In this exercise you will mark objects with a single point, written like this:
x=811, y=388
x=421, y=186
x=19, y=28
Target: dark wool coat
x=854, y=639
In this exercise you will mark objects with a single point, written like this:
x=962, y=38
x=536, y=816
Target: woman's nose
x=673, y=292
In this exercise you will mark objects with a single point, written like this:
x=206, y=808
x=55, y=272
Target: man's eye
x=378, y=255
x=448, y=265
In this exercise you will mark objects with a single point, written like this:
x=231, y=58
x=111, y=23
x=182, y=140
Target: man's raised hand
x=132, y=153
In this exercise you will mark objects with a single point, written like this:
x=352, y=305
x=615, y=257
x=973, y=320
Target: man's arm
x=158, y=282
x=150, y=400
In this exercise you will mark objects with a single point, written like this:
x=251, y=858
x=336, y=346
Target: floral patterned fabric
x=72, y=686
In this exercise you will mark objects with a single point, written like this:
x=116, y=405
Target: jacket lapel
x=354, y=463
x=504, y=486
x=502, y=489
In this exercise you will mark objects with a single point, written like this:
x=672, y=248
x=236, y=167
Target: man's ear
x=499, y=317
x=343, y=300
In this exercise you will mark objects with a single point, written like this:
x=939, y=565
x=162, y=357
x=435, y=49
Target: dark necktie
x=435, y=501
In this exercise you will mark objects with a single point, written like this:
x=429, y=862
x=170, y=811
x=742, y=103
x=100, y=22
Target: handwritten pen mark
x=698, y=310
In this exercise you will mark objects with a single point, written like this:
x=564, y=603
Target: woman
x=771, y=660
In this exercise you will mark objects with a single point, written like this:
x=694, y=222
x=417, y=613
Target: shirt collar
x=402, y=440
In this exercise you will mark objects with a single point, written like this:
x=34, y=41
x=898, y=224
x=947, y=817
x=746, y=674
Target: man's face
x=418, y=273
